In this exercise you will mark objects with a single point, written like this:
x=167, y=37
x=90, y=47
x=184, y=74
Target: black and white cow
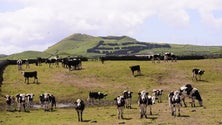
x=10, y=101
x=120, y=104
x=174, y=102
x=72, y=63
x=79, y=107
x=144, y=100
x=48, y=101
x=30, y=97
x=170, y=56
x=197, y=73
x=135, y=68
x=193, y=93
x=155, y=57
x=21, y=102
x=19, y=63
x=28, y=75
x=95, y=95
x=128, y=98
x=157, y=95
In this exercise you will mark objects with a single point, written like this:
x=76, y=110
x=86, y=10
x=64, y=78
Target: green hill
x=91, y=46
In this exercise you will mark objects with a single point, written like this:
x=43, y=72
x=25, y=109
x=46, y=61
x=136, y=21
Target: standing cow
x=48, y=101
x=19, y=63
x=21, y=102
x=155, y=58
x=10, y=101
x=135, y=68
x=128, y=98
x=95, y=95
x=79, y=107
x=144, y=100
x=174, y=102
x=28, y=75
x=157, y=95
x=30, y=97
x=120, y=104
x=170, y=56
x=197, y=73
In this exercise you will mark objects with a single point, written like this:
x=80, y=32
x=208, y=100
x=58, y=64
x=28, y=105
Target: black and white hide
x=188, y=91
x=28, y=75
x=157, y=95
x=197, y=73
x=128, y=98
x=48, y=101
x=30, y=97
x=10, y=101
x=174, y=102
x=79, y=107
x=144, y=100
x=21, y=100
x=94, y=96
x=155, y=58
x=120, y=104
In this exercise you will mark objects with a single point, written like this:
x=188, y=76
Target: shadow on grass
x=184, y=116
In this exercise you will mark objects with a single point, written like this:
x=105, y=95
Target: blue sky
x=37, y=24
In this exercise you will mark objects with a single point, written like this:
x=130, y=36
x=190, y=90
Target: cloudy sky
x=38, y=24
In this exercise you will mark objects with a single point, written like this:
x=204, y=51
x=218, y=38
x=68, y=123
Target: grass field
x=112, y=78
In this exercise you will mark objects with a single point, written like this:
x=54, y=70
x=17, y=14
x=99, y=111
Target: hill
x=91, y=46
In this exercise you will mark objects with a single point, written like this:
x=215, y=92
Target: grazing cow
x=193, y=93
x=170, y=56
x=174, y=102
x=157, y=95
x=48, y=101
x=30, y=74
x=128, y=98
x=21, y=102
x=95, y=95
x=135, y=68
x=155, y=57
x=120, y=104
x=197, y=73
x=10, y=101
x=30, y=97
x=19, y=63
x=143, y=100
x=79, y=106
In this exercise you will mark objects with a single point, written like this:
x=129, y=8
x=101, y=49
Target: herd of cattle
x=145, y=99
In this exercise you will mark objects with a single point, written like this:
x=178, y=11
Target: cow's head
x=119, y=100
x=143, y=95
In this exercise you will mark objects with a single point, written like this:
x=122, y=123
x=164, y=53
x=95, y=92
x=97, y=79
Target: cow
x=120, y=104
x=157, y=95
x=128, y=98
x=21, y=102
x=135, y=68
x=48, y=101
x=10, y=101
x=197, y=73
x=170, y=56
x=144, y=100
x=27, y=75
x=155, y=57
x=95, y=95
x=19, y=63
x=52, y=61
x=38, y=61
x=79, y=107
x=30, y=97
x=193, y=93
x=174, y=102
x=27, y=64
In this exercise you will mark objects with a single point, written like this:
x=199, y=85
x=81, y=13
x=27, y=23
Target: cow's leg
x=178, y=110
x=185, y=105
x=151, y=110
x=81, y=112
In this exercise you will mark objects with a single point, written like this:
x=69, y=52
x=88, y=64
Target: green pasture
x=112, y=78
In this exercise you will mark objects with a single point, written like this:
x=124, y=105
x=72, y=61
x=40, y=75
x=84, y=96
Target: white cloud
x=46, y=22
